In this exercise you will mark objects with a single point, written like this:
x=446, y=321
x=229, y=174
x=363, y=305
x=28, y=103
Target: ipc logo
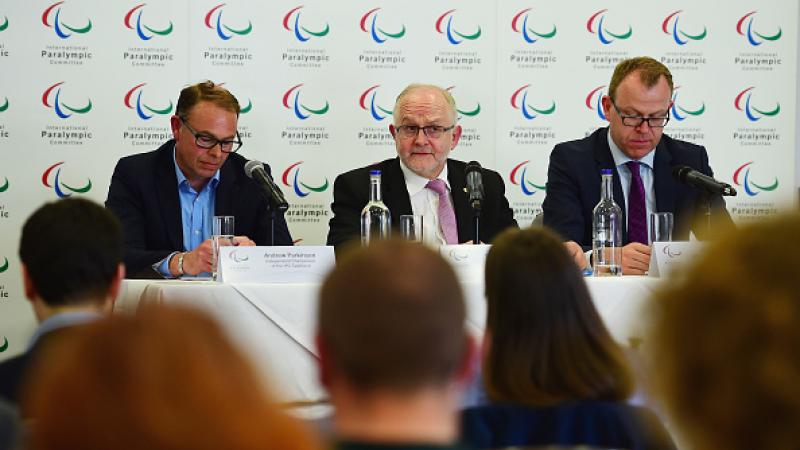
x=51, y=18
x=519, y=24
x=594, y=101
x=596, y=25
x=291, y=22
x=519, y=100
x=467, y=112
x=519, y=178
x=144, y=31
x=753, y=114
x=670, y=26
x=367, y=102
x=741, y=177
x=53, y=180
x=444, y=25
x=745, y=28
x=143, y=110
x=214, y=21
x=300, y=188
x=291, y=100
x=369, y=24
x=51, y=98
x=680, y=112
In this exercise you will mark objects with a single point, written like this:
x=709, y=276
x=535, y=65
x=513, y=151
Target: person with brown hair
x=166, y=199
x=394, y=351
x=551, y=369
x=727, y=342
x=164, y=379
x=642, y=158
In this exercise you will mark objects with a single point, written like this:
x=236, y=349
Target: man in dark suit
x=637, y=108
x=166, y=199
x=422, y=180
x=71, y=252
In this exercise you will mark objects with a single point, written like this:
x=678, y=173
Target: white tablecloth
x=274, y=323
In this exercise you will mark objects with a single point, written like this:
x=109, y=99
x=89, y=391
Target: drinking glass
x=661, y=227
x=222, y=234
x=411, y=227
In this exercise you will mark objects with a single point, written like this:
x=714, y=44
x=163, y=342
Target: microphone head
x=680, y=172
x=473, y=166
x=250, y=166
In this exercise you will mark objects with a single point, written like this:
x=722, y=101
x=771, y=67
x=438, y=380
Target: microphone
x=255, y=169
x=699, y=180
x=474, y=185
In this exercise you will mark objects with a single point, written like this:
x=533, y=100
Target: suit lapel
x=393, y=189
x=167, y=193
x=602, y=154
x=457, y=179
x=663, y=183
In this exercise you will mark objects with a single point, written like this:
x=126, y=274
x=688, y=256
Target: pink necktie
x=637, y=210
x=447, y=217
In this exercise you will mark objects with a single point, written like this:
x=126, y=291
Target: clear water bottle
x=607, y=230
x=376, y=222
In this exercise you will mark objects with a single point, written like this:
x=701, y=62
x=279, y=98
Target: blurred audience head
x=71, y=252
x=726, y=341
x=391, y=317
x=545, y=342
x=163, y=379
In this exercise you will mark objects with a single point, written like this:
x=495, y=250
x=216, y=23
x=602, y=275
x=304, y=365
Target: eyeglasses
x=431, y=131
x=637, y=121
x=207, y=141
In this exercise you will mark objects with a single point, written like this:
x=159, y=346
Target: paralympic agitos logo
x=597, y=25
x=144, y=31
x=743, y=102
x=51, y=18
x=300, y=188
x=52, y=178
x=445, y=26
x=745, y=28
x=680, y=111
x=291, y=22
x=213, y=21
x=519, y=24
x=519, y=177
x=51, y=98
x=467, y=112
x=133, y=100
x=291, y=100
x=519, y=100
x=594, y=101
x=4, y=105
x=368, y=102
x=4, y=23
x=681, y=37
x=741, y=177
x=369, y=24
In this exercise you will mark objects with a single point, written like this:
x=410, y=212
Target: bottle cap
x=374, y=172
x=606, y=171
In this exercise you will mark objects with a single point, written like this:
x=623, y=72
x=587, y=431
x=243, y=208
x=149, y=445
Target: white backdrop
x=84, y=82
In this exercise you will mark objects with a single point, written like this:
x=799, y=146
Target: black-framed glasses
x=636, y=121
x=207, y=141
x=431, y=131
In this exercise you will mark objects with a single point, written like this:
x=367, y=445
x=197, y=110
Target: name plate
x=467, y=260
x=668, y=256
x=280, y=264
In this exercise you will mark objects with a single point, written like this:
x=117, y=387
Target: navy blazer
x=573, y=188
x=597, y=424
x=144, y=196
x=351, y=193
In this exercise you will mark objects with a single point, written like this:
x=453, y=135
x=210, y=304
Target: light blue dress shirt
x=197, y=213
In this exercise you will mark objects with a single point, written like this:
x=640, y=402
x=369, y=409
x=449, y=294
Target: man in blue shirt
x=166, y=199
x=71, y=252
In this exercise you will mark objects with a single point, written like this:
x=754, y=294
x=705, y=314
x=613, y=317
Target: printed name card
x=281, y=264
x=668, y=256
x=467, y=260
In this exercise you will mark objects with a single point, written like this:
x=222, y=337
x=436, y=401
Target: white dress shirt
x=425, y=203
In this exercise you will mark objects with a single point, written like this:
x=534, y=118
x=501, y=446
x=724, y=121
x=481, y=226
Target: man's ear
x=606, y=102
x=393, y=131
x=175, y=123
x=456, y=136
x=27, y=283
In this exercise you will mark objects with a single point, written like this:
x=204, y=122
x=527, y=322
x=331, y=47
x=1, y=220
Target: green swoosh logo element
x=545, y=35
x=323, y=32
x=4, y=106
x=4, y=347
x=163, y=32
x=83, y=110
x=241, y=32
x=247, y=108
x=767, y=188
x=4, y=267
x=622, y=36
x=697, y=112
x=774, y=37
x=696, y=37
x=4, y=187
x=5, y=24
x=546, y=111
x=80, y=30
x=472, y=113
x=541, y=188
x=770, y=113
x=82, y=190
x=322, y=110
x=470, y=36
x=160, y=111
x=316, y=189
x=397, y=35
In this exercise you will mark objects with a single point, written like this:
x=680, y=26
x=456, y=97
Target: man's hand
x=576, y=251
x=244, y=241
x=198, y=260
x=635, y=259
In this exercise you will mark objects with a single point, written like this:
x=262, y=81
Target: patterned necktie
x=447, y=217
x=637, y=212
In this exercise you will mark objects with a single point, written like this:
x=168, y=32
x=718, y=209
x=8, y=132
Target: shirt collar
x=182, y=180
x=621, y=158
x=416, y=183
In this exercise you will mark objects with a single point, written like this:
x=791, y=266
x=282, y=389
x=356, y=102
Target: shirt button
x=196, y=231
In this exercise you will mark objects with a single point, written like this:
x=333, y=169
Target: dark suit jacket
x=144, y=196
x=573, y=188
x=351, y=193
x=596, y=424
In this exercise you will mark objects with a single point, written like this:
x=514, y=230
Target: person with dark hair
x=727, y=341
x=162, y=379
x=71, y=253
x=551, y=370
x=394, y=351
x=642, y=158
x=167, y=198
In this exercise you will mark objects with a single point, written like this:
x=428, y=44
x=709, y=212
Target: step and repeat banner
x=85, y=82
